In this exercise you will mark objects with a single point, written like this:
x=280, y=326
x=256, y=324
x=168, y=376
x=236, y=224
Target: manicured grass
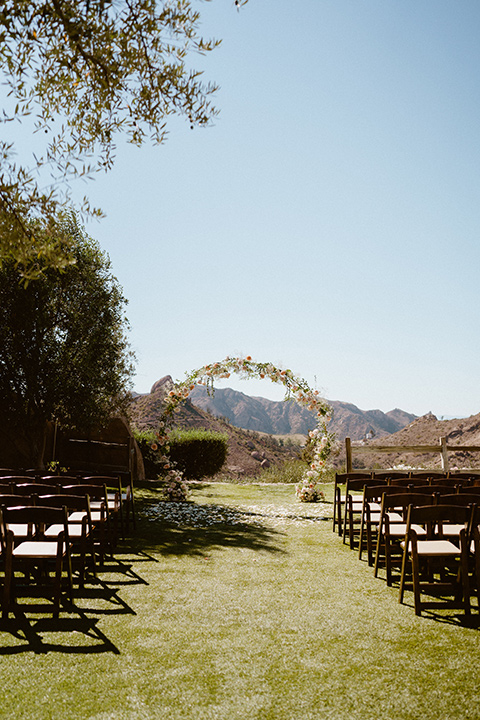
x=250, y=608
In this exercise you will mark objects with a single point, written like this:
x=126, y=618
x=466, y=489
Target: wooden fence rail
x=443, y=448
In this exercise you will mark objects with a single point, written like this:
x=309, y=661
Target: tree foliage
x=64, y=354
x=88, y=71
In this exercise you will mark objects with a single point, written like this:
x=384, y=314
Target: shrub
x=198, y=453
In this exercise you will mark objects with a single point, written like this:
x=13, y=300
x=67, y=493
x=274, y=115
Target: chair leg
x=464, y=572
x=416, y=582
x=344, y=526
x=57, y=587
x=338, y=506
x=388, y=560
x=377, y=553
x=477, y=566
x=131, y=505
x=7, y=588
x=360, y=542
x=402, y=576
x=370, y=543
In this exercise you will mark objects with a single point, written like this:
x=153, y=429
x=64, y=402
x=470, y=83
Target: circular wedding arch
x=296, y=388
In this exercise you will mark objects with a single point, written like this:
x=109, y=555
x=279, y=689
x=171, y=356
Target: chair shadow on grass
x=191, y=529
x=32, y=628
x=187, y=529
x=446, y=616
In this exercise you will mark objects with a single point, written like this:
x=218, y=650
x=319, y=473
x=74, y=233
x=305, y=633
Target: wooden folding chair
x=100, y=518
x=36, y=552
x=19, y=531
x=354, y=507
x=339, y=496
x=435, y=555
x=371, y=516
x=80, y=530
x=113, y=485
x=392, y=526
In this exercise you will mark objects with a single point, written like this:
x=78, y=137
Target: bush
x=198, y=453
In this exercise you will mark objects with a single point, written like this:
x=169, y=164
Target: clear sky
x=329, y=220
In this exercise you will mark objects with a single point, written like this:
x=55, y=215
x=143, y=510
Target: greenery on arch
x=296, y=388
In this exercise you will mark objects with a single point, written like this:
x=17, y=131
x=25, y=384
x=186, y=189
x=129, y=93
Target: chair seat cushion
x=36, y=549
x=452, y=530
x=435, y=547
x=97, y=504
x=395, y=517
x=74, y=531
x=399, y=529
x=77, y=517
x=19, y=530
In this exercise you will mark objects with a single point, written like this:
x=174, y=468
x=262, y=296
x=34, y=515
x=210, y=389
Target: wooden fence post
x=348, y=453
x=445, y=463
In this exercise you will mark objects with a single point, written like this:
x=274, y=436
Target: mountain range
x=251, y=448
x=289, y=418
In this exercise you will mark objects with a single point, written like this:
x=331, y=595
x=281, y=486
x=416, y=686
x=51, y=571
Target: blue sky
x=329, y=220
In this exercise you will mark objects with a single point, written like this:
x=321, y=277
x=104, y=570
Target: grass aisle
x=241, y=605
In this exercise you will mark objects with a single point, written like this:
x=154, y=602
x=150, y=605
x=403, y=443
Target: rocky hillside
x=283, y=418
x=248, y=452
x=426, y=430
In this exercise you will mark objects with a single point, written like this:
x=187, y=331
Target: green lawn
x=245, y=606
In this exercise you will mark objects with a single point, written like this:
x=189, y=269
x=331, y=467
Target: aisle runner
x=193, y=515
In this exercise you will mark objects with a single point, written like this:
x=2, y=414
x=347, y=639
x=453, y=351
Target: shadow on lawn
x=190, y=529
x=445, y=616
x=180, y=529
x=78, y=633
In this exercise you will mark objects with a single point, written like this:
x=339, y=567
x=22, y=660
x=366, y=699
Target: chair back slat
x=434, y=516
x=13, y=500
x=35, y=489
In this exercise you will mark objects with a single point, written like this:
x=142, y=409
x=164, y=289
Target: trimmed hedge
x=198, y=453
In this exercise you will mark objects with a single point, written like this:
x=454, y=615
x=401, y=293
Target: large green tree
x=64, y=353
x=86, y=72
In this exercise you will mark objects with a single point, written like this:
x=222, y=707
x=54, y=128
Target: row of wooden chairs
x=430, y=532
x=435, y=544
x=120, y=498
x=354, y=482
x=354, y=517
x=44, y=527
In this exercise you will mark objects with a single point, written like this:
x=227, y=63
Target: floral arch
x=296, y=389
